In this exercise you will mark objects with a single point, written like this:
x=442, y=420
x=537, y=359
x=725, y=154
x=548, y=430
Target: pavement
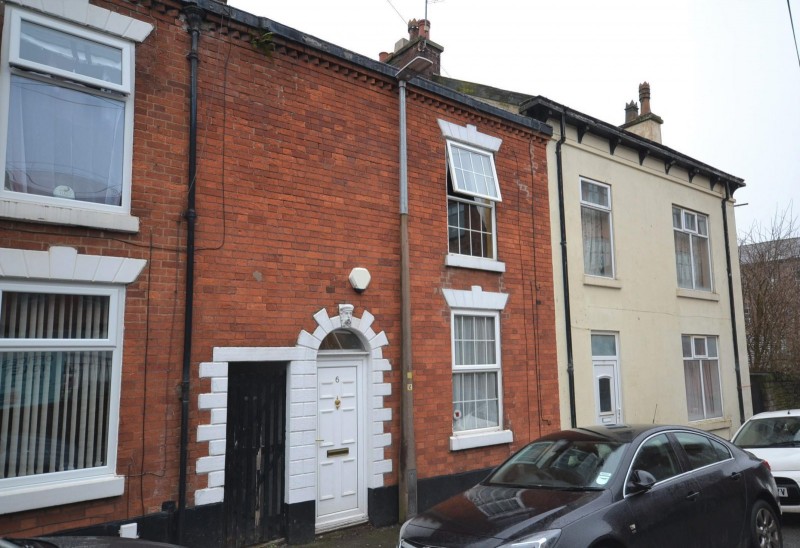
x=360, y=536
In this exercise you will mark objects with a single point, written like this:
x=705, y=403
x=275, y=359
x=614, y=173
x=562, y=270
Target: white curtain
x=64, y=143
x=597, y=260
x=54, y=414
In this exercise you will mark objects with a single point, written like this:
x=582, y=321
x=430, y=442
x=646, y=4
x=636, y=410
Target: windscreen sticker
x=602, y=478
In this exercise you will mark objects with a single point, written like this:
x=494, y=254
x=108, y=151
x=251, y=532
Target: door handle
x=736, y=476
x=693, y=496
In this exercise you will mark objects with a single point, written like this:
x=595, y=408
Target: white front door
x=606, y=392
x=341, y=489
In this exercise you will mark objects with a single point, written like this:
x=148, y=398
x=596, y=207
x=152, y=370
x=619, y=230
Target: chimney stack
x=418, y=44
x=644, y=123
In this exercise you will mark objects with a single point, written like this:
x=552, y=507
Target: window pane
x=597, y=257
x=596, y=194
x=699, y=346
x=53, y=316
x=712, y=347
x=70, y=53
x=64, y=143
x=470, y=229
x=711, y=389
x=702, y=225
x=604, y=389
x=676, y=218
x=604, y=345
x=683, y=260
x=476, y=406
x=54, y=413
x=657, y=457
x=686, y=342
x=473, y=173
x=694, y=395
x=700, y=258
x=689, y=221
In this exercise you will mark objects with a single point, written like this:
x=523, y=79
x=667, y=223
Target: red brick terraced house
x=253, y=285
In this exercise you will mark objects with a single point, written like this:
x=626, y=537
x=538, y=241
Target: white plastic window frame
x=54, y=209
x=605, y=209
x=469, y=138
x=701, y=357
x=684, y=213
x=45, y=490
x=458, y=184
x=471, y=303
x=495, y=367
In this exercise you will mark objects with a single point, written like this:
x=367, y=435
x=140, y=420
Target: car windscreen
x=561, y=464
x=770, y=432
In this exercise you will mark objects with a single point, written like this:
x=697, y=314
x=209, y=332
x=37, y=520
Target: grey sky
x=724, y=74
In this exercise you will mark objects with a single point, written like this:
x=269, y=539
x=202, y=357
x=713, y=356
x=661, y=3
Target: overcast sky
x=724, y=74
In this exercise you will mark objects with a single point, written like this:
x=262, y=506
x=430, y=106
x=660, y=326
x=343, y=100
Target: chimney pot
x=644, y=97
x=383, y=56
x=413, y=30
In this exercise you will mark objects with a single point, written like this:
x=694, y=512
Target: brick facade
x=297, y=184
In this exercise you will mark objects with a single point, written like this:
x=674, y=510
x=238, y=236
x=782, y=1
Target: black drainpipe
x=194, y=17
x=732, y=304
x=565, y=272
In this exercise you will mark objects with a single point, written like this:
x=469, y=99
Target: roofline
x=543, y=108
x=264, y=24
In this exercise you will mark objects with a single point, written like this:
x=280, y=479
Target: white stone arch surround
x=301, y=407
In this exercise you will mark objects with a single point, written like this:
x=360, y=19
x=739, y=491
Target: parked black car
x=612, y=487
x=81, y=542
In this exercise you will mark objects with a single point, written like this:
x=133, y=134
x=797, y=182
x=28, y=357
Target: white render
x=642, y=303
x=301, y=408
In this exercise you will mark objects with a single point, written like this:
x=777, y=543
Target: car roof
x=623, y=433
x=773, y=414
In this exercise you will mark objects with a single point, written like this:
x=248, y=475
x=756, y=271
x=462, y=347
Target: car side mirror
x=640, y=481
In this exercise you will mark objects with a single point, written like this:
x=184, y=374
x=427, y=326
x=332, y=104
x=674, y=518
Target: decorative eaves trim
x=66, y=264
x=85, y=14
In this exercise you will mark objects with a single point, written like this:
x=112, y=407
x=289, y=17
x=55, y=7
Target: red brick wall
x=297, y=183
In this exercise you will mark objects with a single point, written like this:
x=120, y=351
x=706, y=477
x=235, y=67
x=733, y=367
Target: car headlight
x=543, y=539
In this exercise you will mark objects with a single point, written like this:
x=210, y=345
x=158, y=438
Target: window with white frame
x=701, y=373
x=68, y=124
x=476, y=372
x=472, y=191
x=598, y=244
x=692, y=250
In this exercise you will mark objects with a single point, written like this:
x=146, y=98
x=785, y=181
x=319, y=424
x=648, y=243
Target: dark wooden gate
x=254, y=456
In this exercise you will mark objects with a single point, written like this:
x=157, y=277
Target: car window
x=699, y=449
x=657, y=457
x=583, y=464
x=770, y=432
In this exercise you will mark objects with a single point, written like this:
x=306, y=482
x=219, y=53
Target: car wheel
x=765, y=529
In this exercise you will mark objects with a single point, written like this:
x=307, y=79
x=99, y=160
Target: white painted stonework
x=301, y=407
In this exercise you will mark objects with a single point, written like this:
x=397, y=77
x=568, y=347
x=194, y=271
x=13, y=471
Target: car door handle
x=693, y=496
x=736, y=476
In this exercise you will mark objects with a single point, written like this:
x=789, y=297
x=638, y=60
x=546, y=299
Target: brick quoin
x=297, y=183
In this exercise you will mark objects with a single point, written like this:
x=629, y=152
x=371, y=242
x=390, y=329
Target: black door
x=254, y=456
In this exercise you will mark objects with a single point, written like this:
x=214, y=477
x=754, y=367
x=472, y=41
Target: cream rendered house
x=648, y=295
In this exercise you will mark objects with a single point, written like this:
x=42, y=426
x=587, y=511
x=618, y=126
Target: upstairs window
x=472, y=192
x=68, y=126
x=692, y=250
x=598, y=246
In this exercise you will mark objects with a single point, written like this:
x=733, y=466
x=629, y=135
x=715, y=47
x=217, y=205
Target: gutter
x=565, y=271
x=736, y=358
x=194, y=17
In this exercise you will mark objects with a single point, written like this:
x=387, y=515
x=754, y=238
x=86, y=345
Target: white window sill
x=599, y=281
x=44, y=495
x=695, y=294
x=713, y=425
x=483, y=439
x=476, y=263
x=55, y=214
